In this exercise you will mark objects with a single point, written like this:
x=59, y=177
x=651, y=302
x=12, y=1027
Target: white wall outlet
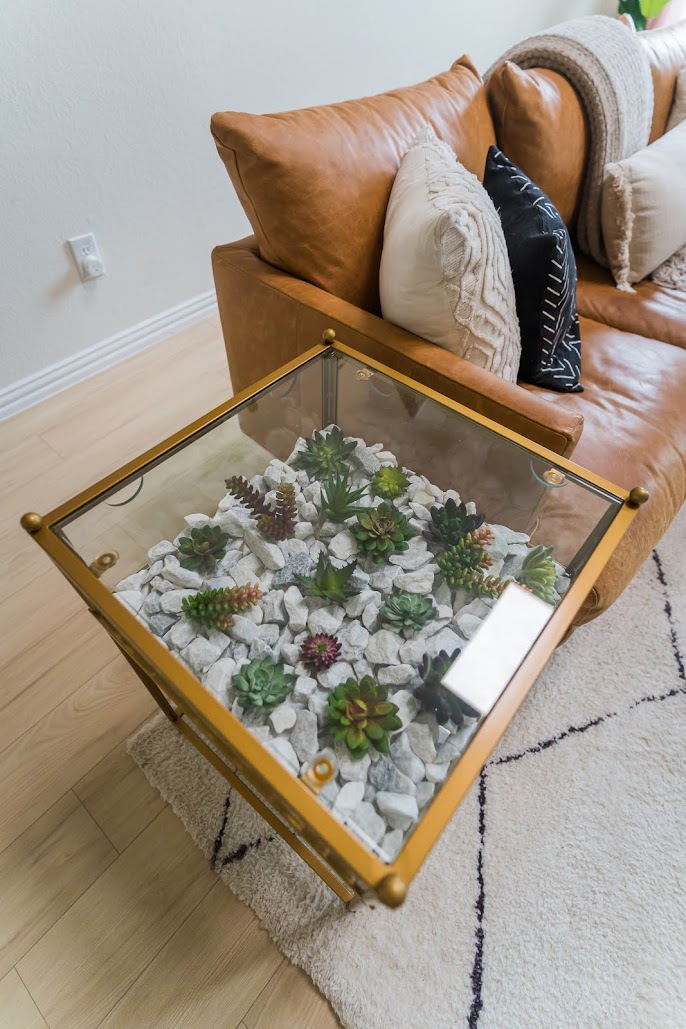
x=86, y=256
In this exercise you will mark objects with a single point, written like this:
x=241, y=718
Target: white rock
x=412, y=559
x=437, y=773
x=339, y=672
x=356, y=605
x=350, y=796
x=327, y=620
x=172, y=601
x=218, y=678
x=353, y=638
x=399, y=810
x=296, y=609
x=343, y=545
x=285, y=753
x=231, y=558
x=384, y=775
x=273, y=607
x=395, y=675
x=384, y=578
x=407, y=704
x=412, y=651
x=383, y=648
x=304, y=687
x=220, y=582
x=421, y=740
x=455, y=745
x=236, y=521
x=425, y=792
x=182, y=634
x=420, y=581
x=304, y=530
x=182, y=577
x=370, y=617
x=305, y=739
x=369, y=821
x=362, y=667
x=132, y=598
x=392, y=843
x=292, y=548
x=196, y=521
x=367, y=459
x=290, y=652
x=443, y=597
x=200, y=654
x=467, y=624
x=309, y=512
x=160, y=550
x=283, y=717
x=160, y=623
x=134, y=582
x=244, y=630
x=405, y=758
x=350, y=769
x=446, y=640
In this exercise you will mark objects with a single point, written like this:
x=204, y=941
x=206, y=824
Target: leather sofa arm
x=269, y=317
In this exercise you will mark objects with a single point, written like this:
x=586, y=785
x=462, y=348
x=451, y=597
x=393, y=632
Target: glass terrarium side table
x=340, y=586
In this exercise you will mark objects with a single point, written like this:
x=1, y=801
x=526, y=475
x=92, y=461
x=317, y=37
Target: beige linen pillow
x=445, y=273
x=644, y=208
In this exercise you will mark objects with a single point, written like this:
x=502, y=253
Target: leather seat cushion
x=652, y=310
x=634, y=435
x=315, y=183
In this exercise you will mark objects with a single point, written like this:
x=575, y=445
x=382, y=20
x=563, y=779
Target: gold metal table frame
x=290, y=807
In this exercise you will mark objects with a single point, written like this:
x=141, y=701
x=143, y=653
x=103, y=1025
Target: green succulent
x=215, y=608
x=451, y=523
x=464, y=561
x=389, y=482
x=339, y=499
x=538, y=573
x=324, y=454
x=434, y=697
x=360, y=714
x=200, y=551
x=262, y=684
x=381, y=531
x=327, y=581
x=407, y=611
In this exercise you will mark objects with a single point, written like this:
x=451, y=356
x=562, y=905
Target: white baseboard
x=45, y=383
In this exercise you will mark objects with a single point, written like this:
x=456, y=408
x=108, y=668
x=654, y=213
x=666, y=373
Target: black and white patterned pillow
x=544, y=275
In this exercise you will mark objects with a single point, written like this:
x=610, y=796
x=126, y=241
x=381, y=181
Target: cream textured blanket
x=608, y=67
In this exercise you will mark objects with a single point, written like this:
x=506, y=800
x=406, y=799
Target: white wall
x=104, y=115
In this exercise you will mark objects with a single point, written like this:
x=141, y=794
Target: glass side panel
x=354, y=570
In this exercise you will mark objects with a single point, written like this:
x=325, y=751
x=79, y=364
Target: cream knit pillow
x=445, y=273
x=644, y=208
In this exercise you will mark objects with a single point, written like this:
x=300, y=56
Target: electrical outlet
x=86, y=256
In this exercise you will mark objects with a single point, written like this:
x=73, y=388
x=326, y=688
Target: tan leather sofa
x=315, y=184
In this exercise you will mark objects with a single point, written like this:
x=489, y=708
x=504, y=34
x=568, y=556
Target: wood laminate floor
x=109, y=915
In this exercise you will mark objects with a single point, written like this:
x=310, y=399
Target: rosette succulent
x=262, y=684
x=389, y=482
x=320, y=651
x=339, y=500
x=328, y=581
x=538, y=573
x=215, y=608
x=434, y=697
x=407, y=611
x=200, y=551
x=382, y=531
x=451, y=523
x=360, y=715
x=324, y=454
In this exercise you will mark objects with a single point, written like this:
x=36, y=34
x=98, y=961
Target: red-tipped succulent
x=320, y=651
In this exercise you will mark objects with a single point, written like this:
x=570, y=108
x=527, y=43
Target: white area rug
x=556, y=897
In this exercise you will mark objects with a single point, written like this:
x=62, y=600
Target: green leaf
x=382, y=745
x=651, y=8
x=374, y=731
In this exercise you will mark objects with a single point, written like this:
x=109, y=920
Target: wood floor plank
x=17, y=1009
x=25, y=451
x=206, y=975
x=290, y=1001
x=35, y=612
x=39, y=679
x=83, y=966
x=66, y=743
x=119, y=797
x=21, y=560
x=44, y=871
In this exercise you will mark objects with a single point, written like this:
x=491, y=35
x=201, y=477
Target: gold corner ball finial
x=31, y=521
x=392, y=891
x=638, y=495
x=328, y=335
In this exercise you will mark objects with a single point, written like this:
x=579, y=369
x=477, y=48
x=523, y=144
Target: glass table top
x=352, y=568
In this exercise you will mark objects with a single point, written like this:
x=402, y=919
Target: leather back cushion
x=315, y=183
x=540, y=126
x=666, y=50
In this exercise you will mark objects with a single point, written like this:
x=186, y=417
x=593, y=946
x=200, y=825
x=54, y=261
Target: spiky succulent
x=200, y=551
x=434, y=697
x=327, y=581
x=451, y=523
x=488, y=587
x=407, y=611
x=277, y=523
x=324, y=454
x=538, y=573
x=215, y=608
x=463, y=561
x=389, y=482
x=320, y=651
x=360, y=715
x=339, y=500
x=382, y=531
x=262, y=684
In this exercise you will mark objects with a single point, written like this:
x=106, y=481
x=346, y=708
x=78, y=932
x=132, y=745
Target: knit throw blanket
x=607, y=66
